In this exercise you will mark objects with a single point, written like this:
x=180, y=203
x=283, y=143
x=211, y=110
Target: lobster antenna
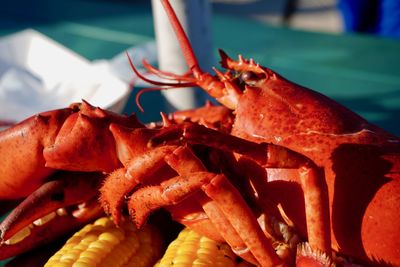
x=162, y=85
x=165, y=74
x=178, y=84
x=150, y=89
x=137, y=98
x=182, y=38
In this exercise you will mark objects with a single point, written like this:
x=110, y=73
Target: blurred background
x=378, y=17
x=313, y=15
x=333, y=16
x=346, y=49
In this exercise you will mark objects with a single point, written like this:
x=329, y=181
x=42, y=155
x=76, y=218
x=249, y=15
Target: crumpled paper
x=37, y=74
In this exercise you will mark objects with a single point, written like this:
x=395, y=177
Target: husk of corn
x=102, y=243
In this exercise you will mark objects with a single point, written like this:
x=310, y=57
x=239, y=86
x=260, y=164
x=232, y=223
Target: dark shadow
x=38, y=256
x=7, y=205
x=360, y=173
x=285, y=192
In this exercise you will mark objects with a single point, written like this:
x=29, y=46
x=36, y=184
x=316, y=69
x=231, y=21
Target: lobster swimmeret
x=288, y=164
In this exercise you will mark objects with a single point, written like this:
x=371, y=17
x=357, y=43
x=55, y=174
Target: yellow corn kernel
x=192, y=249
x=104, y=244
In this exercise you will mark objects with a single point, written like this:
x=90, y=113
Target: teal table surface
x=360, y=72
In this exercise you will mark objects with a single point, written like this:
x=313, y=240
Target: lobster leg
x=242, y=219
x=218, y=219
x=122, y=181
x=191, y=214
x=244, y=228
x=176, y=189
x=212, y=212
x=267, y=155
x=52, y=210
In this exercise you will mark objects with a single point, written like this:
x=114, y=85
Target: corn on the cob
x=192, y=249
x=104, y=244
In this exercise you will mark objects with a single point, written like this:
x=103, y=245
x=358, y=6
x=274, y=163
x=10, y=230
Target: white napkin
x=38, y=74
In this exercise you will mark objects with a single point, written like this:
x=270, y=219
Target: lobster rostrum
x=337, y=183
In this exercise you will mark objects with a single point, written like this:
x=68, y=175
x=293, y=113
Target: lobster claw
x=51, y=211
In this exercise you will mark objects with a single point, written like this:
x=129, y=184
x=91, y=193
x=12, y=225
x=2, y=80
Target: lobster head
x=268, y=107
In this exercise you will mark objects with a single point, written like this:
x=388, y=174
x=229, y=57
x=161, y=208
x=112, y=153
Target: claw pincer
x=76, y=140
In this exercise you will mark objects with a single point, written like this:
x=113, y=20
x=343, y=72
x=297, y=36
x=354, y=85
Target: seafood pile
x=282, y=174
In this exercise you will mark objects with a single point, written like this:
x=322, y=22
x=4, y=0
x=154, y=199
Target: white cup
x=195, y=17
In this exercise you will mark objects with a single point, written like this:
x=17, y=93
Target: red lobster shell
x=360, y=162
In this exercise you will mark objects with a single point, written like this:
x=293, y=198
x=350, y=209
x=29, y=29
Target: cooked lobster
x=54, y=163
x=356, y=189
x=285, y=165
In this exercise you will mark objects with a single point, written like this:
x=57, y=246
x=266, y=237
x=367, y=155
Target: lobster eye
x=249, y=77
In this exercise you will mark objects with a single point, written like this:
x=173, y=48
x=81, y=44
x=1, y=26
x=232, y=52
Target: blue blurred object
x=380, y=17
